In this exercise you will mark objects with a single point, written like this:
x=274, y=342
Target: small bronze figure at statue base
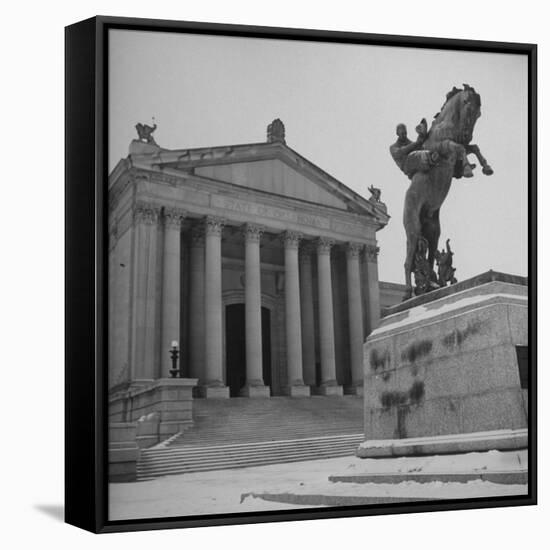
x=445, y=269
x=425, y=278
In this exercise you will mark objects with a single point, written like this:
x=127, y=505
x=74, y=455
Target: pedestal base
x=213, y=392
x=478, y=442
x=256, y=391
x=298, y=391
x=448, y=362
x=329, y=390
x=356, y=389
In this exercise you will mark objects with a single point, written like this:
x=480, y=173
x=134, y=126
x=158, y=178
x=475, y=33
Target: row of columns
x=299, y=314
x=206, y=308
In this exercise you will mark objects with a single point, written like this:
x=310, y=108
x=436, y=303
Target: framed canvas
x=300, y=274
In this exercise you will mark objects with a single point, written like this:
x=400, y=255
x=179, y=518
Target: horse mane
x=465, y=88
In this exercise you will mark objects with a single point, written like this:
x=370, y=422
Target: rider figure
x=403, y=146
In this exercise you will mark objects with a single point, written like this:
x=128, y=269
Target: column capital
x=252, y=233
x=213, y=225
x=371, y=253
x=146, y=213
x=197, y=235
x=354, y=249
x=173, y=217
x=291, y=239
x=324, y=244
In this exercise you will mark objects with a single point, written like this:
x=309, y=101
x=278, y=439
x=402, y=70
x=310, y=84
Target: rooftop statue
x=276, y=131
x=375, y=194
x=431, y=162
x=145, y=132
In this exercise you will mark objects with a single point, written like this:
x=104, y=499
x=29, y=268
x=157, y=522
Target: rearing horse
x=445, y=148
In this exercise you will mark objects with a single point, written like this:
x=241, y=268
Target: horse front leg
x=486, y=168
x=457, y=154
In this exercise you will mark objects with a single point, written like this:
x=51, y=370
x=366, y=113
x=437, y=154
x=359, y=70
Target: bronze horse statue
x=438, y=156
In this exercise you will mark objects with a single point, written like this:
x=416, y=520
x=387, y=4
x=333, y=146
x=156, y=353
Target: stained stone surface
x=448, y=365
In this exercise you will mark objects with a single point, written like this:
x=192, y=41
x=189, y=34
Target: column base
x=213, y=392
x=329, y=389
x=255, y=391
x=297, y=391
x=355, y=389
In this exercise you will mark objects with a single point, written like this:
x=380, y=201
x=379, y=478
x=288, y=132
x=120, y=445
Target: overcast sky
x=340, y=105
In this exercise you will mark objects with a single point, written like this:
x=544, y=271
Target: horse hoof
x=468, y=172
x=487, y=170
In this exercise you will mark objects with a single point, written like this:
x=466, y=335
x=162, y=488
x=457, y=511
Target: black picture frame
x=86, y=73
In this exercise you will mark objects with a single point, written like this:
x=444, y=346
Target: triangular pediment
x=272, y=176
x=265, y=167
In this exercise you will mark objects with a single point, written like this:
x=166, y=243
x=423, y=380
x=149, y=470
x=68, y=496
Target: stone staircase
x=242, y=432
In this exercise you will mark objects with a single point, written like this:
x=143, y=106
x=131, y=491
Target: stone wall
x=171, y=398
x=123, y=451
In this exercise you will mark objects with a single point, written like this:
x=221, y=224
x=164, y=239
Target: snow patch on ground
x=490, y=461
x=221, y=492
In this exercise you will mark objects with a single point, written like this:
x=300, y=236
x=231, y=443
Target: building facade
x=260, y=265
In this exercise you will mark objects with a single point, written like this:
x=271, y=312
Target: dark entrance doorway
x=235, y=346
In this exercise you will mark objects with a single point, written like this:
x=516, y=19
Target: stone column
x=213, y=376
x=255, y=386
x=355, y=315
x=308, y=316
x=144, y=347
x=372, y=317
x=295, y=386
x=329, y=385
x=196, y=304
x=170, y=324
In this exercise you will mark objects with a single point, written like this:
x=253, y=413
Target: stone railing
x=172, y=398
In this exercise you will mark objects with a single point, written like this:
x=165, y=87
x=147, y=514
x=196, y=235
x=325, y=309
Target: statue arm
x=401, y=152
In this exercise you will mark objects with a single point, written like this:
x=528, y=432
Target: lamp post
x=174, y=354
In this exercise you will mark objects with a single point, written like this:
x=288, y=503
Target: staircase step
x=243, y=432
x=244, y=455
x=182, y=468
x=291, y=442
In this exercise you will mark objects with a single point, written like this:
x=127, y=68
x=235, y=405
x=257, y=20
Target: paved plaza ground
x=286, y=485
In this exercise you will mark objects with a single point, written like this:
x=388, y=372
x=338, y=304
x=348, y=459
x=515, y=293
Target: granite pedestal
x=447, y=363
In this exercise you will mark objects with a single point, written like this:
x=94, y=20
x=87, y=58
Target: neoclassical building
x=261, y=266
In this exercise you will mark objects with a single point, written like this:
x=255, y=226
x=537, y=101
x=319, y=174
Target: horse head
x=460, y=112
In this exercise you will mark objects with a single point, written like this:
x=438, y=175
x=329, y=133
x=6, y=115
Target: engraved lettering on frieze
x=314, y=221
x=269, y=212
x=348, y=228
